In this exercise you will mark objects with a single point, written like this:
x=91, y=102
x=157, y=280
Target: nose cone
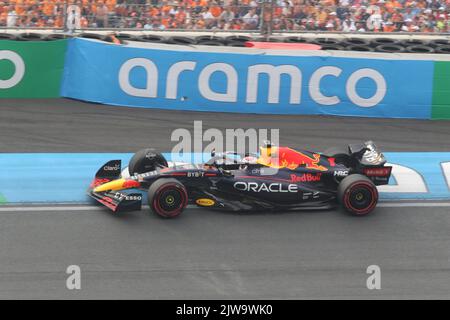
x=113, y=185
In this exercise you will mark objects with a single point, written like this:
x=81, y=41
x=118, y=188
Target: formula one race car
x=277, y=179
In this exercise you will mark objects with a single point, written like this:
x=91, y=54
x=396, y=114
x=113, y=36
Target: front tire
x=358, y=195
x=167, y=198
x=146, y=160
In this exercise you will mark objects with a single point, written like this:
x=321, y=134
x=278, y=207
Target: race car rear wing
x=367, y=154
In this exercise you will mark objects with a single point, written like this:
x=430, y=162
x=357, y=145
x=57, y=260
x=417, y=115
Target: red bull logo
x=307, y=177
x=283, y=157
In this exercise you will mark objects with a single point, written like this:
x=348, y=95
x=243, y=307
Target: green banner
x=31, y=69
x=441, y=90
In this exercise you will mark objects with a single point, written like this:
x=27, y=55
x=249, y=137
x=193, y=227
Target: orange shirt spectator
x=389, y=27
x=20, y=7
x=180, y=16
x=48, y=8
x=215, y=11
x=111, y=4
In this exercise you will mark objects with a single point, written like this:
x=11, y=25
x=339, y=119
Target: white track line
x=66, y=208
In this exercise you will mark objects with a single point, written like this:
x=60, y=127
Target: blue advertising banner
x=249, y=83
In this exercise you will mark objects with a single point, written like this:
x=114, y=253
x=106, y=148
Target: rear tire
x=357, y=194
x=146, y=160
x=167, y=198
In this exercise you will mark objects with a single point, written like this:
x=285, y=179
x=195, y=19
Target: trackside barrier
x=36, y=177
x=227, y=80
x=31, y=69
x=247, y=82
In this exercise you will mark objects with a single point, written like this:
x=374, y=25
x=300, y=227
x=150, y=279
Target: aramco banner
x=249, y=83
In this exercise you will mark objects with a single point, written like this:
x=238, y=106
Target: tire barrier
x=238, y=38
x=361, y=48
x=125, y=36
x=296, y=40
x=383, y=41
x=211, y=43
x=325, y=41
x=181, y=40
x=95, y=36
x=443, y=49
x=7, y=36
x=56, y=36
x=206, y=39
x=385, y=45
x=390, y=48
x=150, y=38
x=332, y=47
x=355, y=42
x=420, y=49
x=270, y=39
x=439, y=42
x=236, y=44
x=30, y=36
x=413, y=42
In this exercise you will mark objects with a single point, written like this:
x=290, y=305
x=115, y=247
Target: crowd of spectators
x=282, y=15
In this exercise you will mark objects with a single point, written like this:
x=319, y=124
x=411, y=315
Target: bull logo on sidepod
x=283, y=157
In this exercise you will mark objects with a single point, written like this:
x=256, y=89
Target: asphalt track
x=206, y=254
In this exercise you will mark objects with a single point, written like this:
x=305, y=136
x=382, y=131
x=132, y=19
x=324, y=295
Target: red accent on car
x=210, y=174
x=98, y=181
x=108, y=202
x=332, y=162
x=377, y=172
x=306, y=177
x=131, y=184
x=178, y=174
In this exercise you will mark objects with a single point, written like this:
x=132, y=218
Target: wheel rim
x=361, y=198
x=170, y=201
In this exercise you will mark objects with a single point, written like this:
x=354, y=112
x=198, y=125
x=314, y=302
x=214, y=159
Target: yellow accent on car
x=113, y=185
x=204, y=202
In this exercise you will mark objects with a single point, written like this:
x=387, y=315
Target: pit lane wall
x=250, y=81
x=31, y=69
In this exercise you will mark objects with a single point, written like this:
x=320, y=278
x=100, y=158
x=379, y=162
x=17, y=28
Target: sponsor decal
x=19, y=69
x=283, y=157
x=310, y=195
x=263, y=187
x=377, y=172
x=133, y=197
x=195, y=174
x=254, y=73
x=204, y=202
x=341, y=173
x=112, y=168
x=307, y=177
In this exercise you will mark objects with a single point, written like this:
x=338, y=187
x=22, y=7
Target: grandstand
x=427, y=16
